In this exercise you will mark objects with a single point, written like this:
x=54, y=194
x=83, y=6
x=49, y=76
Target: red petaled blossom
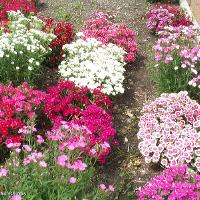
x=64, y=32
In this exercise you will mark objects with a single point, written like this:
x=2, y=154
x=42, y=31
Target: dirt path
x=125, y=167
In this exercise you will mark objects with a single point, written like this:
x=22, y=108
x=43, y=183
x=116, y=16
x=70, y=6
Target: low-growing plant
x=166, y=15
x=169, y=131
x=51, y=168
x=177, y=61
x=99, y=27
x=23, y=47
x=64, y=33
x=92, y=64
x=177, y=182
x=66, y=102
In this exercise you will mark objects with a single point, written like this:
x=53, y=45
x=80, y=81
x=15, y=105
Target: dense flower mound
x=99, y=27
x=166, y=15
x=92, y=64
x=64, y=32
x=23, y=48
x=17, y=111
x=173, y=183
x=25, y=6
x=169, y=130
x=66, y=102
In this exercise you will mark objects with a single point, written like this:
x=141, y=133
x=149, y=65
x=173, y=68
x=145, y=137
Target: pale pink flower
x=102, y=186
x=27, y=147
x=40, y=139
x=72, y=180
x=111, y=188
x=3, y=172
x=16, y=197
x=42, y=163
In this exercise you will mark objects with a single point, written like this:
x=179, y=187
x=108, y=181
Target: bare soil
x=125, y=167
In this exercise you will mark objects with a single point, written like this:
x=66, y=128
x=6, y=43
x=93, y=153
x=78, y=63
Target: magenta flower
x=16, y=197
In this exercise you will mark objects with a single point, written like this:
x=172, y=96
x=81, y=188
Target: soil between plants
x=125, y=167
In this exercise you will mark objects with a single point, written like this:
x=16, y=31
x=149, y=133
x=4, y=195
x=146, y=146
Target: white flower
x=176, y=67
x=17, y=68
x=80, y=34
x=30, y=68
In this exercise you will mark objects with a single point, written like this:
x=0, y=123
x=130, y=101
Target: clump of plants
x=177, y=60
x=51, y=167
x=67, y=102
x=176, y=182
x=23, y=47
x=169, y=131
x=25, y=7
x=92, y=64
x=18, y=106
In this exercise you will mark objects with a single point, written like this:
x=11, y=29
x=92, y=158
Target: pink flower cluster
x=173, y=40
x=77, y=134
x=78, y=164
x=191, y=59
x=99, y=27
x=166, y=15
x=169, y=130
x=17, y=107
x=34, y=157
x=178, y=45
x=173, y=183
x=105, y=189
x=195, y=81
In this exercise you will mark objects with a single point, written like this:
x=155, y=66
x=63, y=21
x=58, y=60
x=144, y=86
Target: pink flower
x=43, y=163
x=3, y=172
x=27, y=148
x=16, y=197
x=40, y=139
x=102, y=187
x=61, y=160
x=72, y=180
x=111, y=188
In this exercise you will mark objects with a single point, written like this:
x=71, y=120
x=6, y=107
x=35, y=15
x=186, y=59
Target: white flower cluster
x=92, y=64
x=24, y=46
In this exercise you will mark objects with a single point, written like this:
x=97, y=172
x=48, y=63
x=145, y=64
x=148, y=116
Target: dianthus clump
x=174, y=183
x=169, y=130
